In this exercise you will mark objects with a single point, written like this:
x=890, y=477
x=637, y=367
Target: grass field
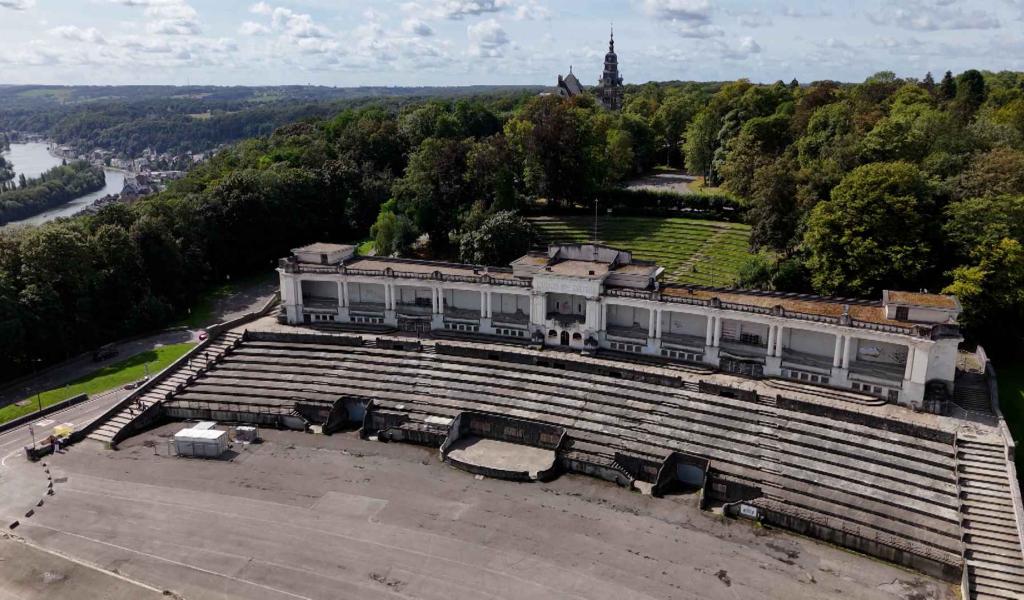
x=691, y=250
x=116, y=375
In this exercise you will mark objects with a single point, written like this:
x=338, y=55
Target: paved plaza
x=304, y=516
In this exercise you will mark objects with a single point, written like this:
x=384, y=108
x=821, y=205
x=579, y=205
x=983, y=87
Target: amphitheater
x=936, y=493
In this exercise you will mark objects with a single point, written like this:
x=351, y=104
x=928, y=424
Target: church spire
x=611, y=39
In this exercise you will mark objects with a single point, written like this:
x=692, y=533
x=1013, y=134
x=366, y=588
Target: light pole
x=32, y=431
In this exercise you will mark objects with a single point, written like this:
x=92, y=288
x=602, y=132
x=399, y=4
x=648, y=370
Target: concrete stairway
x=992, y=546
x=107, y=431
x=893, y=487
x=971, y=393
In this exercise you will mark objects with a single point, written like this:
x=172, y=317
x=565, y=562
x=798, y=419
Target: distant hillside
x=128, y=119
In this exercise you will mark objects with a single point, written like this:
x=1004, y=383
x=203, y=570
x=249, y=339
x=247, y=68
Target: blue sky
x=458, y=42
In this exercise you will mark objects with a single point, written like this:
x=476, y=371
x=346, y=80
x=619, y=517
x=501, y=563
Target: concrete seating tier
x=109, y=430
x=886, y=486
x=995, y=563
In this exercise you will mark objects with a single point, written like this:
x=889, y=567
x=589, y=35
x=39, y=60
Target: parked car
x=203, y=335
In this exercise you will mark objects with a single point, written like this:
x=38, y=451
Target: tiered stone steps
x=992, y=545
x=107, y=431
x=893, y=488
x=971, y=393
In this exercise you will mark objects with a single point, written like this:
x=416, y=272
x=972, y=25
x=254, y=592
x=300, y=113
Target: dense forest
x=130, y=119
x=850, y=188
x=52, y=188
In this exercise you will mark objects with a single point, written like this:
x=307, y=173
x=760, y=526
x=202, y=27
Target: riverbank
x=35, y=158
x=54, y=188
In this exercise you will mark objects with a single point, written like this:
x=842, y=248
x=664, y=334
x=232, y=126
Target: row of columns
x=840, y=359
x=841, y=355
x=713, y=334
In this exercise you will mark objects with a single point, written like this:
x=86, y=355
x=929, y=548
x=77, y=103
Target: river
x=33, y=158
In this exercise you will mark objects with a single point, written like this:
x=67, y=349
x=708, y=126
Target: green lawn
x=1011, y=402
x=116, y=375
x=691, y=250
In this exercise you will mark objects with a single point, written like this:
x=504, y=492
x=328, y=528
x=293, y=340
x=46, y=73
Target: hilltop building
x=590, y=297
x=569, y=86
x=609, y=89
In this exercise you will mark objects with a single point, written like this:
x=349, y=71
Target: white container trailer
x=200, y=443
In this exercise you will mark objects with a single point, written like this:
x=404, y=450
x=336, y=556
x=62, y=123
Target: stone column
x=593, y=315
x=710, y=331
x=437, y=319
x=778, y=340
x=483, y=304
x=650, y=323
x=657, y=325
x=847, y=346
x=390, y=316
x=718, y=332
x=837, y=354
x=342, y=302
x=771, y=340
x=538, y=308
x=909, y=372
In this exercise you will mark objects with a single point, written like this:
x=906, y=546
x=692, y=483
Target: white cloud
x=167, y=17
x=934, y=15
x=297, y=25
x=487, y=39
x=251, y=28
x=417, y=27
x=261, y=8
x=682, y=10
x=696, y=30
x=77, y=34
x=458, y=9
x=17, y=4
x=532, y=11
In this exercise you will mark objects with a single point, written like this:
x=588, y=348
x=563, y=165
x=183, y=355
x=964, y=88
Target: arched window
x=552, y=333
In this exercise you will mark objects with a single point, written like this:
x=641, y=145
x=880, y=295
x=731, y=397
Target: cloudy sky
x=456, y=42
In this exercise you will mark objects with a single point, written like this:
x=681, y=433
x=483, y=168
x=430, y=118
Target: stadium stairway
x=992, y=545
x=108, y=430
x=894, y=489
x=971, y=393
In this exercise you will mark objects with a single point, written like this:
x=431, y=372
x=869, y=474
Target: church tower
x=609, y=88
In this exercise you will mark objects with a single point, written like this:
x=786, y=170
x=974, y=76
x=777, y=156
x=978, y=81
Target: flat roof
x=425, y=267
x=578, y=268
x=859, y=310
x=323, y=247
x=922, y=299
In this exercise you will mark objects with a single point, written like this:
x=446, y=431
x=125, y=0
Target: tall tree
x=947, y=88
x=700, y=142
x=870, y=234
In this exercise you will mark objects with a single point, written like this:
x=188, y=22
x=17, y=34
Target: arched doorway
x=565, y=338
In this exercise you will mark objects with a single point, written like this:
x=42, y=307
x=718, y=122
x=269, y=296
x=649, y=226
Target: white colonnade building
x=591, y=297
